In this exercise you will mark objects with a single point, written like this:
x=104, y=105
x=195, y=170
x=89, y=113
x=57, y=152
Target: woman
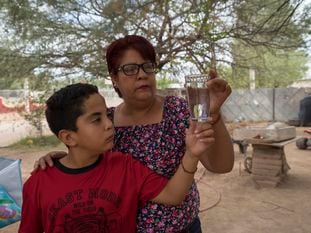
x=152, y=129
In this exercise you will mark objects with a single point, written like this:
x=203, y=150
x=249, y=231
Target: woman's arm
x=219, y=157
x=178, y=186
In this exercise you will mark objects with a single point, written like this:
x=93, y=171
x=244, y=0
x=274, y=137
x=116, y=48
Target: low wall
x=266, y=104
x=13, y=126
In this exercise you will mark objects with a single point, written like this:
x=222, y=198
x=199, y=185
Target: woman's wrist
x=215, y=117
x=189, y=163
x=186, y=170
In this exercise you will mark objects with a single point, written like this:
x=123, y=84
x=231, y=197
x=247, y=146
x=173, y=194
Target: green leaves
x=71, y=36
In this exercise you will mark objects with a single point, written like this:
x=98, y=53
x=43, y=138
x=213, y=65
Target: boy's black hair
x=66, y=105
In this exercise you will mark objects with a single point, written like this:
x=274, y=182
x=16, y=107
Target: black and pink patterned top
x=160, y=147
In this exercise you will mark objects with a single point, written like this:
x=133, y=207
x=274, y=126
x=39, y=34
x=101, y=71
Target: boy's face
x=95, y=132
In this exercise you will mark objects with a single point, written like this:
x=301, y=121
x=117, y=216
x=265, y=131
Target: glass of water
x=198, y=96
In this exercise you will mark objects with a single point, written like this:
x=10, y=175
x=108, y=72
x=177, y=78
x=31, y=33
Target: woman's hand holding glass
x=219, y=91
x=199, y=137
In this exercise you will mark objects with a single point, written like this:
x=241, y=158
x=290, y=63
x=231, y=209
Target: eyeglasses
x=133, y=69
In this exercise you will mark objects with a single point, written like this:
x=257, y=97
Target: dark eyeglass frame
x=138, y=66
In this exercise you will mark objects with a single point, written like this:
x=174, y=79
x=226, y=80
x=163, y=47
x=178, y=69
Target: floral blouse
x=161, y=146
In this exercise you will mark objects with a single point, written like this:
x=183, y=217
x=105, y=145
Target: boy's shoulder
x=126, y=161
x=118, y=157
x=38, y=177
x=40, y=172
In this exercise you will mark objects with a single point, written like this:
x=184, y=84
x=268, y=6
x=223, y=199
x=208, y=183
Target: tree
x=276, y=64
x=15, y=67
x=70, y=36
x=273, y=68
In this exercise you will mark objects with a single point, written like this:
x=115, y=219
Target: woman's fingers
x=199, y=137
x=228, y=89
x=212, y=74
x=201, y=130
x=217, y=84
x=192, y=126
x=208, y=140
x=204, y=132
x=45, y=160
x=36, y=165
x=201, y=126
x=209, y=133
x=48, y=159
x=41, y=163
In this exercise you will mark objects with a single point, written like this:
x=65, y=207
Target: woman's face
x=140, y=86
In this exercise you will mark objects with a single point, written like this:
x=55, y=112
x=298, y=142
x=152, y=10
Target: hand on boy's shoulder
x=40, y=171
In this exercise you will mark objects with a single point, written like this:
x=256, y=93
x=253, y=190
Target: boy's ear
x=67, y=137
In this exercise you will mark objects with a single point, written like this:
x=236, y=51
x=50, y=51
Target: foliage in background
x=274, y=66
x=164, y=82
x=36, y=114
x=33, y=142
x=15, y=67
x=68, y=39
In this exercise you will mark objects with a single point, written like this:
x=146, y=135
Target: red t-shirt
x=100, y=198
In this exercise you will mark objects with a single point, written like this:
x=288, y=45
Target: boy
x=94, y=189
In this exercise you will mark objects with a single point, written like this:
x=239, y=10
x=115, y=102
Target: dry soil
x=232, y=202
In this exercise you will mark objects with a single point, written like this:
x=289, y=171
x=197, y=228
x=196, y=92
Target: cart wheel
x=243, y=147
x=301, y=143
x=248, y=164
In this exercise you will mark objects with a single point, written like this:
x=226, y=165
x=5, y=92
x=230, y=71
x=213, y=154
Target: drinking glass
x=198, y=96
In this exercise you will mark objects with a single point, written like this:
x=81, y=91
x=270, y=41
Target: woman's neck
x=138, y=108
x=139, y=113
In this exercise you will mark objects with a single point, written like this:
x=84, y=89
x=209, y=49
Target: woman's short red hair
x=117, y=48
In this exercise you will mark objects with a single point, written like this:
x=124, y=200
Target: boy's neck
x=78, y=160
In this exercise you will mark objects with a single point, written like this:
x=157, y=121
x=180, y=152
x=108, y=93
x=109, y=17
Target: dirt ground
x=233, y=202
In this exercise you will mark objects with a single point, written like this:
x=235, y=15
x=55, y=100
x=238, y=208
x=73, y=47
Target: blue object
x=10, y=212
x=10, y=191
